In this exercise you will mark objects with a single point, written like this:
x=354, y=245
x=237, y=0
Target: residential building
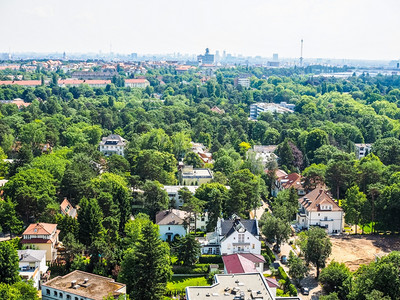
x=274, y=64
x=217, y=110
x=233, y=236
x=318, y=208
x=236, y=286
x=202, y=152
x=32, y=265
x=362, y=150
x=67, y=209
x=285, y=182
x=79, y=285
x=173, y=194
x=264, y=153
x=137, y=83
x=87, y=75
x=172, y=223
x=192, y=176
x=42, y=236
x=242, y=80
x=112, y=144
x=257, y=108
x=78, y=82
x=243, y=263
x=25, y=83
x=18, y=102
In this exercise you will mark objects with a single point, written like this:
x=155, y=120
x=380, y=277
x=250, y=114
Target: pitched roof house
x=112, y=144
x=292, y=180
x=42, y=236
x=243, y=263
x=318, y=208
x=32, y=265
x=67, y=209
x=173, y=223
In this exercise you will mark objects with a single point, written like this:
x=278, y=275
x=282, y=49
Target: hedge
x=268, y=252
x=210, y=259
x=288, y=286
x=195, y=269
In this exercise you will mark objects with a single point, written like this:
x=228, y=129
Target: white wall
x=175, y=229
x=231, y=244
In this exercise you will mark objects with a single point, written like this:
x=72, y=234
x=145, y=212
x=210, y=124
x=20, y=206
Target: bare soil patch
x=354, y=250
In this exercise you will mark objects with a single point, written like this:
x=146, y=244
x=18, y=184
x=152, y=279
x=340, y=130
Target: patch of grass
x=178, y=283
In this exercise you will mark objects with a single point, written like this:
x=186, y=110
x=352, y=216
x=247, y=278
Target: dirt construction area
x=356, y=250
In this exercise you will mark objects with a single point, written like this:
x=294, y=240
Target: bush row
x=196, y=269
x=210, y=259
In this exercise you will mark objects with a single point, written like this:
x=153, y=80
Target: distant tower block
x=275, y=57
x=301, y=54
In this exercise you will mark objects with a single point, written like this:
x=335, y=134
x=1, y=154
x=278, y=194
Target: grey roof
x=30, y=255
x=227, y=226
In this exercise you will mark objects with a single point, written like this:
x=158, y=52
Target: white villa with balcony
x=112, y=144
x=233, y=236
x=317, y=208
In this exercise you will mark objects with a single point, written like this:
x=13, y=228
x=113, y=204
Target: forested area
x=54, y=145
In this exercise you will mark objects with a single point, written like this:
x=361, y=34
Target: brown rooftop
x=85, y=284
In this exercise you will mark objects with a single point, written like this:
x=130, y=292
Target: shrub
x=195, y=269
x=210, y=259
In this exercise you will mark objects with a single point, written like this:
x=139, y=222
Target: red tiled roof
x=241, y=263
x=36, y=241
x=291, y=180
x=136, y=80
x=78, y=81
x=313, y=200
x=21, y=82
x=40, y=229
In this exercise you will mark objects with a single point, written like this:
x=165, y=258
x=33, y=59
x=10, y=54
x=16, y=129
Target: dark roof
x=227, y=226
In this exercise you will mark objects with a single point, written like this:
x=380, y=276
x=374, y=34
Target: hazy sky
x=366, y=29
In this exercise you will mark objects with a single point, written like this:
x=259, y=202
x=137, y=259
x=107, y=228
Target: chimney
x=73, y=283
x=85, y=280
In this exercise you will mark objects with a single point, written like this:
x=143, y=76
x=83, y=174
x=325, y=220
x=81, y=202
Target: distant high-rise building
x=134, y=56
x=64, y=56
x=275, y=57
x=224, y=54
x=206, y=59
x=217, y=58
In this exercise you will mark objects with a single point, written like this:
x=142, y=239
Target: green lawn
x=178, y=283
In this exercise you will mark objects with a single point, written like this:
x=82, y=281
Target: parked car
x=284, y=259
x=305, y=291
x=277, y=248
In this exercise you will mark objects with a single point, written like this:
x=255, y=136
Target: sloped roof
x=291, y=180
x=171, y=217
x=71, y=211
x=30, y=255
x=236, y=263
x=313, y=200
x=40, y=229
x=227, y=226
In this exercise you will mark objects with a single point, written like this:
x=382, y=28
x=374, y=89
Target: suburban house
x=79, y=285
x=174, y=222
x=202, y=152
x=362, y=150
x=173, y=193
x=217, y=110
x=32, y=265
x=317, y=208
x=191, y=176
x=112, y=144
x=67, y=209
x=42, y=236
x=265, y=153
x=293, y=180
x=233, y=236
x=137, y=83
x=236, y=286
x=243, y=263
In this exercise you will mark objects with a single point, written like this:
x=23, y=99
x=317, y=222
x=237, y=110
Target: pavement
x=259, y=211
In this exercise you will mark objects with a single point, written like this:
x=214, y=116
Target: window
x=55, y=293
x=61, y=295
x=169, y=228
x=76, y=298
x=47, y=292
x=241, y=238
x=68, y=297
x=253, y=246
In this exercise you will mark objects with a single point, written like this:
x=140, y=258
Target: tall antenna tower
x=301, y=54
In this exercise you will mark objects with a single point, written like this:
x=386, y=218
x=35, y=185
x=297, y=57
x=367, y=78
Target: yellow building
x=42, y=236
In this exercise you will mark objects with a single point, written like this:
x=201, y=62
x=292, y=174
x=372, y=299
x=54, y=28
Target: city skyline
x=331, y=29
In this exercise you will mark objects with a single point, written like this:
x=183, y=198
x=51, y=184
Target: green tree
x=188, y=250
x=388, y=150
x=193, y=159
x=155, y=198
x=8, y=263
x=90, y=221
x=275, y=229
x=314, y=175
x=334, y=277
x=225, y=165
x=318, y=248
x=297, y=268
x=133, y=229
x=146, y=267
x=353, y=205
x=181, y=144
x=315, y=139
x=33, y=190
x=9, y=221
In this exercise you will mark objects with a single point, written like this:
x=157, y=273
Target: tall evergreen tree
x=8, y=263
x=90, y=221
x=146, y=267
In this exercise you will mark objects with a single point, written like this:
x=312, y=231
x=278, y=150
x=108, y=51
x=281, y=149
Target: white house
x=292, y=180
x=137, y=83
x=79, y=285
x=192, y=176
x=172, y=223
x=317, y=208
x=233, y=236
x=112, y=144
x=257, y=108
x=362, y=150
x=32, y=265
x=173, y=193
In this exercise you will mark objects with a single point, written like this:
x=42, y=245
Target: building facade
x=257, y=108
x=112, y=144
x=362, y=150
x=317, y=208
x=32, y=265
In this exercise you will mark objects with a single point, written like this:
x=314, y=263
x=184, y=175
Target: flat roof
x=253, y=285
x=96, y=287
x=197, y=173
